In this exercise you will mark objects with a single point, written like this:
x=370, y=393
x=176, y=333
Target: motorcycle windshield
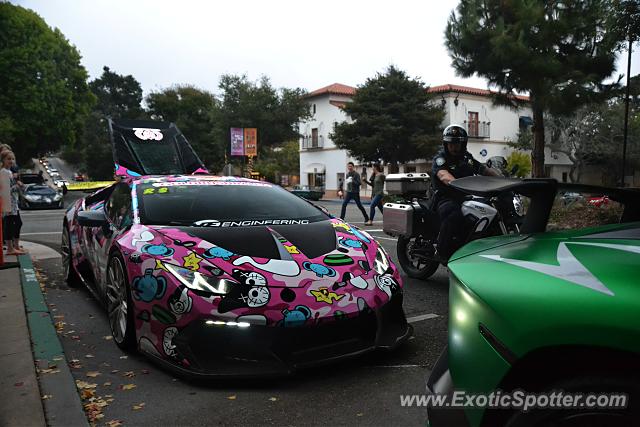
x=144, y=147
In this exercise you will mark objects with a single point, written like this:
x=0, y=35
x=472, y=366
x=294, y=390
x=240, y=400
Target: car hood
x=600, y=263
x=287, y=255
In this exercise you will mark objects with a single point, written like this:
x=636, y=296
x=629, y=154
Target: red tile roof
x=334, y=89
x=469, y=91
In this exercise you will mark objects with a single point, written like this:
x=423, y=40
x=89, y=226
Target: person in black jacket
x=451, y=162
x=353, y=183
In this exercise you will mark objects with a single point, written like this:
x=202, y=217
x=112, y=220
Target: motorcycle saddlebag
x=399, y=219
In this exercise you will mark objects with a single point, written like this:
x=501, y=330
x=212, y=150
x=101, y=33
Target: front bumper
x=440, y=382
x=214, y=351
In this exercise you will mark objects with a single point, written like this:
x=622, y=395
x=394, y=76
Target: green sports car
x=543, y=312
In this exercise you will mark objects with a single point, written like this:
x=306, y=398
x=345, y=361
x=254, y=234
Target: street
x=362, y=391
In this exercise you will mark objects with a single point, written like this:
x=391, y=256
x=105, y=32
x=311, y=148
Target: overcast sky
x=294, y=43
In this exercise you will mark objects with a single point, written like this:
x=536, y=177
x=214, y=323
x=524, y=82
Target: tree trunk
x=537, y=153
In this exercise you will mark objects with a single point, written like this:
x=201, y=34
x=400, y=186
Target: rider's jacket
x=458, y=166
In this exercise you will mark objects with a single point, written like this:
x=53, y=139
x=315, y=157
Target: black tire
x=120, y=304
x=414, y=267
x=69, y=273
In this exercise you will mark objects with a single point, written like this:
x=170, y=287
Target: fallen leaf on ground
x=93, y=374
x=124, y=357
x=59, y=325
x=129, y=374
x=58, y=358
x=87, y=393
x=47, y=396
x=107, y=384
x=114, y=423
x=83, y=384
x=273, y=399
x=89, y=356
x=359, y=414
x=115, y=371
x=138, y=406
x=128, y=386
x=232, y=397
x=108, y=337
x=75, y=337
x=48, y=371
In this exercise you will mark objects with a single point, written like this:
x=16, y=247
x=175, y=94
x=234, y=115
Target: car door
x=119, y=215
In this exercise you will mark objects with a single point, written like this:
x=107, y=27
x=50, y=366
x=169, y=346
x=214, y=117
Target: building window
x=314, y=138
x=473, y=124
x=564, y=177
x=314, y=108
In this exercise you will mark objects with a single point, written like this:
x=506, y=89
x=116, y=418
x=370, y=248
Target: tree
x=118, y=97
x=279, y=160
x=246, y=104
x=44, y=97
x=392, y=120
x=192, y=110
x=558, y=51
x=591, y=137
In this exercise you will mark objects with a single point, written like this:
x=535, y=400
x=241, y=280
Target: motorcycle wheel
x=413, y=266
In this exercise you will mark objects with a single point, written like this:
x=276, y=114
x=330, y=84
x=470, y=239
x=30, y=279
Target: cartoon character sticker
x=217, y=252
x=319, y=269
x=148, y=287
x=180, y=302
x=167, y=341
x=192, y=261
x=387, y=284
x=157, y=250
x=296, y=317
x=324, y=295
x=250, y=291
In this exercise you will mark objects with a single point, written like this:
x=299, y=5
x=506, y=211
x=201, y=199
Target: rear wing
x=87, y=185
x=145, y=147
x=542, y=193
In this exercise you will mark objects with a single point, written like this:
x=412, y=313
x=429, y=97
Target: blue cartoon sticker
x=157, y=250
x=217, y=252
x=350, y=243
x=148, y=287
x=296, y=317
x=320, y=270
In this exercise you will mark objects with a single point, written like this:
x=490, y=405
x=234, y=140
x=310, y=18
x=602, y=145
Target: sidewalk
x=25, y=399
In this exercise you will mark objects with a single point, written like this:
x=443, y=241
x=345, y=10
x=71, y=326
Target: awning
x=314, y=168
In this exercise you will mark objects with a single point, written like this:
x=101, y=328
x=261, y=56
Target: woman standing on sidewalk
x=377, y=182
x=11, y=222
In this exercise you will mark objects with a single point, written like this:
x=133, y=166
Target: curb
x=64, y=407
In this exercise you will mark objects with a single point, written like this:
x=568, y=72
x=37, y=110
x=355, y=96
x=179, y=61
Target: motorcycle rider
x=451, y=162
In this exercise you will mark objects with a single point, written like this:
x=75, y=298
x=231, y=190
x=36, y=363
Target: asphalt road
x=363, y=391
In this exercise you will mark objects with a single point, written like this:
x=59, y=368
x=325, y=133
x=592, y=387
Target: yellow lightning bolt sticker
x=160, y=265
x=292, y=249
x=192, y=261
x=341, y=225
x=323, y=295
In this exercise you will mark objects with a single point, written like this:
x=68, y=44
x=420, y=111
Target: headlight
x=32, y=198
x=381, y=263
x=199, y=282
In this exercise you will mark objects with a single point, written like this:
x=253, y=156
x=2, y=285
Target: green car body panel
x=579, y=287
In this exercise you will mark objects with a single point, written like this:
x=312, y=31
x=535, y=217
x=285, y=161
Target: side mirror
x=92, y=218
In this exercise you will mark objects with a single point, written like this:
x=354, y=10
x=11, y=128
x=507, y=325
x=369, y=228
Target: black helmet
x=454, y=134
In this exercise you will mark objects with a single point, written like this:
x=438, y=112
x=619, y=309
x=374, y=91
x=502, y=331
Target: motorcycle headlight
x=198, y=281
x=32, y=198
x=381, y=264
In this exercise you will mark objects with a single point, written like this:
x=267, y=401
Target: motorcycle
x=416, y=224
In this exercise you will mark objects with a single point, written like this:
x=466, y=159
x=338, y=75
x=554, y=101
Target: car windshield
x=41, y=190
x=230, y=203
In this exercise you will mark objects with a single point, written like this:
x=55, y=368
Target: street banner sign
x=237, y=142
x=251, y=142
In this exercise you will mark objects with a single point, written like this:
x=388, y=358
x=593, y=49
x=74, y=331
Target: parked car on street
x=307, y=192
x=543, y=311
x=225, y=276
